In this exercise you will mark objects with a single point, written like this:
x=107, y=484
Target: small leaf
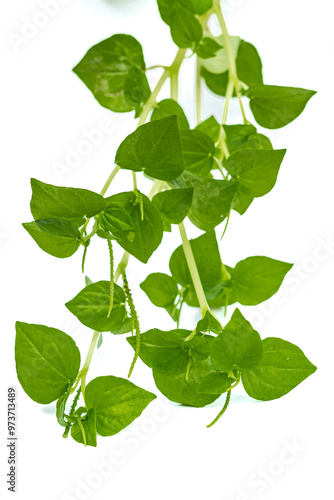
x=207, y=48
x=255, y=169
x=274, y=107
x=109, y=68
x=61, y=407
x=210, y=127
x=239, y=346
x=117, y=402
x=199, y=347
x=91, y=307
x=147, y=232
x=47, y=361
x=54, y=202
x=160, y=288
x=174, y=204
x=256, y=279
x=154, y=148
x=60, y=238
x=198, y=150
x=185, y=29
x=208, y=324
x=169, y=107
x=219, y=63
x=166, y=7
x=245, y=137
x=88, y=422
x=284, y=366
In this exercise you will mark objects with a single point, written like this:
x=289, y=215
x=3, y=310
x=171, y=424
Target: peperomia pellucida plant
x=200, y=173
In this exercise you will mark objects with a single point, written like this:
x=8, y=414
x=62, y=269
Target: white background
x=168, y=452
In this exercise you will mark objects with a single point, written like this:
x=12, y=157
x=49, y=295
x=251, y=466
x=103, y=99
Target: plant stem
x=227, y=42
x=193, y=270
x=134, y=177
x=173, y=68
x=85, y=368
x=110, y=179
x=198, y=91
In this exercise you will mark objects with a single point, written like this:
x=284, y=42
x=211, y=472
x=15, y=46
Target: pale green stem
x=121, y=266
x=110, y=179
x=85, y=368
x=198, y=91
x=134, y=177
x=193, y=270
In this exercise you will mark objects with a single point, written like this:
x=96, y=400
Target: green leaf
x=161, y=289
x=283, y=367
x=88, y=422
x=115, y=218
x=146, y=235
x=207, y=258
x=185, y=29
x=210, y=127
x=274, y=107
x=174, y=204
x=169, y=107
x=91, y=307
x=215, y=383
x=239, y=346
x=208, y=324
x=154, y=148
x=47, y=361
x=212, y=199
x=198, y=150
x=256, y=279
x=255, y=169
x=136, y=88
x=166, y=7
x=199, y=347
x=177, y=388
x=219, y=63
x=117, y=402
x=163, y=350
x=207, y=48
x=245, y=137
x=110, y=68
x=60, y=238
x=249, y=68
x=54, y=202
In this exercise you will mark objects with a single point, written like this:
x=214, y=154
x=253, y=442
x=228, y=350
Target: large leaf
x=110, y=67
x=154, y=148
x=166, y=7
x=255, y=169
x=47, y=361
x=169, y=107
x=146, y=235
x=54, y=202
x=245, y=137
x=60, y=238
x=256, y=279
x=174, y=204
x=117, y=402
x=161, y=289
x=91, y=307
x=239, y=346
x=198, y=150
x=274, y=107
x=212, y=199
x=283, y=367
x=207, y=258
x=215, y=383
